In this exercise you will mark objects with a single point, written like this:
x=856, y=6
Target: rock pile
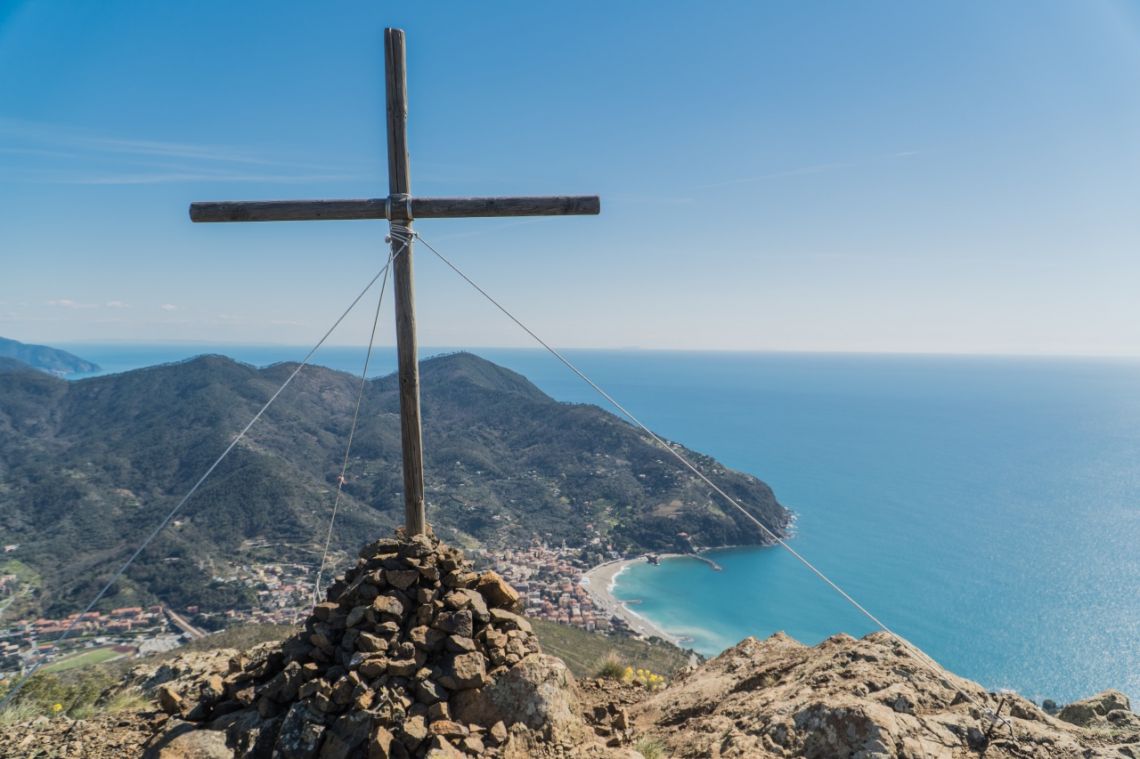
x=401, y=660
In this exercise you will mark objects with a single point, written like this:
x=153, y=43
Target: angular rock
x=370, y=643
x=374, y=667
x=458, y=578
x=430, y=692
x=441, y=749
x=182, y=743
x=380, y=743
x=473, y=744
x=325, y=609
x=388, y=607
x=539, y=692
x=402, y=667
x=169, y=700
x=459, y=644
x=414, y=732
x=496, y=590
x=1087, y=711
x=301, y=733
x=509, y=620
x=464, y=671
x=356, y=616
x=455, y=623
x=346, y=736
x=401, y=578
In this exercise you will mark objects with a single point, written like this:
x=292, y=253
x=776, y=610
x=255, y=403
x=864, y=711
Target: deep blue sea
x=986, y=508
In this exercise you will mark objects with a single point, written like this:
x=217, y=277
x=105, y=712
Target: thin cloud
x=797, y=172
x=133, y=179
x=149, y=161
x=820, y=168
x=69, y=303
x=116, y=304
x=168, y=307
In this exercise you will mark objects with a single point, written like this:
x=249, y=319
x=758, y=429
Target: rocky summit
x=866, y=699
x=412, y=654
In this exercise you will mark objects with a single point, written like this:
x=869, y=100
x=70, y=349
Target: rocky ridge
x=414, y=655
x=411, y=655
x=865, y=699
x=856, y=699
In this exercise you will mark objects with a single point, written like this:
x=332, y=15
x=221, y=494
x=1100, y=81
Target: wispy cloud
x=69, y=303
x=168, y=307
x=116, y=304
x=798, y=171
x=62, y=154
x=157, y=178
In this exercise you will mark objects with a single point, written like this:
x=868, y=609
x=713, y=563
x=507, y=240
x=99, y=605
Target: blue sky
x=875, y=176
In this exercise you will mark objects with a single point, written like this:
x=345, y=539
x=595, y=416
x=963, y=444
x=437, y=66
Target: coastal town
x=554, y=581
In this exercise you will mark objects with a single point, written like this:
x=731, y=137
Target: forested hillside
x=88, y=468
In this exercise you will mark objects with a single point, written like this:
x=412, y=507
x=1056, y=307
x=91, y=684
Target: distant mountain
x=51, y=360
x=89, y=467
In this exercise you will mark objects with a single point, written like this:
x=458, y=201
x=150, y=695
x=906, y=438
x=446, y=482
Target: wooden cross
x=399, y=208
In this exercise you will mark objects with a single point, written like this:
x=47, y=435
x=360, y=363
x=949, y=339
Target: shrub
x=650, y=748
x=610, y=667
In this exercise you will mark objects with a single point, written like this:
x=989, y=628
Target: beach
x=599, y=581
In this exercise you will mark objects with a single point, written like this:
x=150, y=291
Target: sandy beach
x=599, y=582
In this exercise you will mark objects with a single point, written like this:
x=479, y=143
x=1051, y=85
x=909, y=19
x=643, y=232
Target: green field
x=87, y=658
x=584, y=651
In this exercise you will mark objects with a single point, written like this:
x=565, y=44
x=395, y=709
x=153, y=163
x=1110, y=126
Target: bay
x=986, y=508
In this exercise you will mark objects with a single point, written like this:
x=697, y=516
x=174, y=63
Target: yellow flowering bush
x=643, y=677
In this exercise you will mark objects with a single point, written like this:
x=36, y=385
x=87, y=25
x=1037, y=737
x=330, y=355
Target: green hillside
x=88, y=468
x=42, y=357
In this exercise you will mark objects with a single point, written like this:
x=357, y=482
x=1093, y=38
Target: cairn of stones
x=391, y=665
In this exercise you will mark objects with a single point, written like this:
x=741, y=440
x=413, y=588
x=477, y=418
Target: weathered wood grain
x=288, y=210
x=556, y=205
x=376, y=208
x=399, y=184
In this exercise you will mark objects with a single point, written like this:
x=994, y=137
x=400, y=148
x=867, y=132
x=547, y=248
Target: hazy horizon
x=427, y=351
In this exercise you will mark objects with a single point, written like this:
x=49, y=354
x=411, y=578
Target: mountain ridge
x=43, y=358
x=89, y=466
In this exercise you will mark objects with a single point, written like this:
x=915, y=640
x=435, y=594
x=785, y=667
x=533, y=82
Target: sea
x=986, y=508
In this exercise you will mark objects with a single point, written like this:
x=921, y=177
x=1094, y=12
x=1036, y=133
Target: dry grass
x=610, y=667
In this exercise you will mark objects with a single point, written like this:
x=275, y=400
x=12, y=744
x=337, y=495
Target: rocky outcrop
x=411, y=655
x=1108, y=709
x=862, y=699
x=845, y=698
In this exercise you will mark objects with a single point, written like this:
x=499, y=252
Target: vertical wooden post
x=399, y=186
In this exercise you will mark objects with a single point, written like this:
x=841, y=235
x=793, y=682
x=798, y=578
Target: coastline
x=599, y=582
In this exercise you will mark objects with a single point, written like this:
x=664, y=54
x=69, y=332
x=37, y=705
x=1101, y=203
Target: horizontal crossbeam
x=377, y=208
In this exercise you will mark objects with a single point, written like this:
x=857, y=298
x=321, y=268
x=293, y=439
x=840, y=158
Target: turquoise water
x=986, y=508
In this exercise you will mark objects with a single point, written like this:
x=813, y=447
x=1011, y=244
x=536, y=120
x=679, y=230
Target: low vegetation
x=241, y=637
x=72, y=692
x=592, y=655
x=610, y=667
x=650, y=748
